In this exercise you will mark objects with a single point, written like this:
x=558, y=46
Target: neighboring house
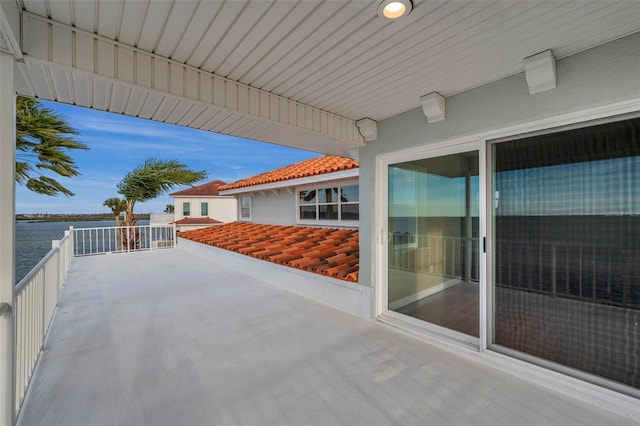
x=202, y=206
x=160, y=219
x=321, y=191
x=304, y=216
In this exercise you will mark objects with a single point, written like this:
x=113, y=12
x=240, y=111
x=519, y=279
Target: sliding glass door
x=433, y=250
x=566, y=248
x=560, y=286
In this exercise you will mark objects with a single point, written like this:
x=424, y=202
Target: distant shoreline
x=71, y=217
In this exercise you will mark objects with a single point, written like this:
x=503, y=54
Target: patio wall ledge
x=349, y=297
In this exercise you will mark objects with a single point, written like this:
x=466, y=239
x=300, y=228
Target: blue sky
x=119, y=143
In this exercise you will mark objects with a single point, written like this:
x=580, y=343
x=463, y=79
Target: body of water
x=33, y=240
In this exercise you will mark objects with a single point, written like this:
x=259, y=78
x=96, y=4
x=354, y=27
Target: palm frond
x=46, y=138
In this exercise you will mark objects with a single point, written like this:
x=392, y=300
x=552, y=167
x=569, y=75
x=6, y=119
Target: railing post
x=43, y=311
x=72, y=234
x=70, y=250
x=55, y=244
x=174, y=233
x=7, y=228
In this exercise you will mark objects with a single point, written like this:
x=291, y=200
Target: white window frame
x=203, y=204
x=240, y=217
x=323, y=185
x=186, y=203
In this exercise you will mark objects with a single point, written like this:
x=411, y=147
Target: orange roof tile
x=312, y=167
x=206, y=189
x=325, y=251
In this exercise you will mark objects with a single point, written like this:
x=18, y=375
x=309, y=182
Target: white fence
x=453, y=257
x=37, y=294
x=597, y=273
x=587, y=272
x=35, y=301
x=119, y=239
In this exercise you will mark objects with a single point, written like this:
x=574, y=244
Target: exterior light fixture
x=540, y=71
x=394, y=9
x=433, y=106
x=368, y=129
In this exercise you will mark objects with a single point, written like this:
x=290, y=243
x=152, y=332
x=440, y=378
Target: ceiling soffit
x=73, y=66
x=324, y=61
x=339, y=56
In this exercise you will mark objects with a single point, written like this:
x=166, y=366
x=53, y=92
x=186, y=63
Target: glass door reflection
x=433, y=259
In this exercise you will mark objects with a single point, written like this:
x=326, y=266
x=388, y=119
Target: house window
x=245, y=207
x=350, y=202
x=204, y=209
x=329, y=204
x=186, y=209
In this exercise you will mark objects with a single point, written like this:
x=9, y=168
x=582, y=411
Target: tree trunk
x=129, y=235
x=130, y=218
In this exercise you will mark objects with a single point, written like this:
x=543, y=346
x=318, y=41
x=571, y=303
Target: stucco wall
x=597, y=77
x=223, y=209
x=342, y=295
x=274, y=209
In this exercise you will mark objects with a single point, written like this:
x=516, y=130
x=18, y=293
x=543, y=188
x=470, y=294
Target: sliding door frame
x=481, y=142
x=382, y=232
x=598, y=393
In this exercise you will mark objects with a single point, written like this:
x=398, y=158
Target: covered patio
x=171, y=337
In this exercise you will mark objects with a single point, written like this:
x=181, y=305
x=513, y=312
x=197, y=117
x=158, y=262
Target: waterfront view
x=33, y=240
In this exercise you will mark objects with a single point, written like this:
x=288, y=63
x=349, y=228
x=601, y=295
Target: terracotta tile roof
x=196, y=221
x=326, y=251
x=206, y=189
x=311, y=167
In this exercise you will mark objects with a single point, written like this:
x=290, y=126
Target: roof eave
x=324, y=177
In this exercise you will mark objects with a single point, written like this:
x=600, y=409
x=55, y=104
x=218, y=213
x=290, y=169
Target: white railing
x=38, y=293
x=589, y=272
x=436, y=254
x=36, y=299
x=122, y=239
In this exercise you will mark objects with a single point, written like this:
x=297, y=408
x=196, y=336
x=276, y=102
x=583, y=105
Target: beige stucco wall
x=224, y=209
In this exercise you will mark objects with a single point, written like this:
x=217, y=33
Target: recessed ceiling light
x=394, y=9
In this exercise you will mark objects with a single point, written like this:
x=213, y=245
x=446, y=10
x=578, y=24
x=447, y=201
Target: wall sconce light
x=394, y=9
x=433, y=107
x=368, y=129
x=540, y=71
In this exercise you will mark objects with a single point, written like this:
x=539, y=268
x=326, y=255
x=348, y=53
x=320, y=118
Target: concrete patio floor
x=169, y=338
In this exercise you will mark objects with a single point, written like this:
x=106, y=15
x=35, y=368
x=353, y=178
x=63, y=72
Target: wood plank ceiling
x=297, y=73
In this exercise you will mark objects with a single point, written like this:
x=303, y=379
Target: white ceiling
x=333, y=60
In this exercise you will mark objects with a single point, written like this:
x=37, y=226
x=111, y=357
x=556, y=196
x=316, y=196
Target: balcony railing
x=38, y=293
x=119, y=239
x=36, y=299
x=586, y=272
x=436, y=254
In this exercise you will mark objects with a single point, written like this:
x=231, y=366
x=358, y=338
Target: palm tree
x=42, y=139
x=116, y=205
x=169, y=208
x=152, y=179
